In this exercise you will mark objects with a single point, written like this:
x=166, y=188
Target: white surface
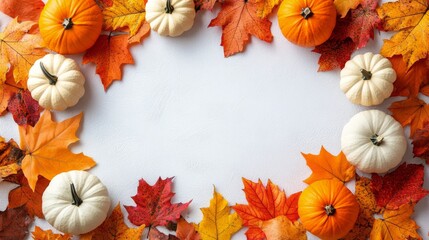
x=184, y=110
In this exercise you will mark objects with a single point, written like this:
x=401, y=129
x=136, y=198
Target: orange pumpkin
x=307, y=23
x=70, y=26
x=328, y=209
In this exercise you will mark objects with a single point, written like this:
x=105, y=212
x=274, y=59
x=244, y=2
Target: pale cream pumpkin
x=170, y=17
x=367, y=79
x=56, y=82
x=373, y=141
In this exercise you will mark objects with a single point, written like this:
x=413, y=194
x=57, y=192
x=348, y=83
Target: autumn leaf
x=283, y=228
x=46, y=148
x=204, y=4
x=114, y=228
x=186, y=231
x=409, y=81
x=267, y=8
x=125, y=13
x=141, y=34
x=25, y=110
x=154, y=207
x=25, y=10
x=334, y=53
x=217, y=221
x=328, y=166
x=412, y=111
x=14, y=223
x=10, y=158
x=421, y=142
x=155, y=234
x=396, y=224
x=404, y=185
x=109, y=53
x=19, y=49
x=239, y=20
x=410, y=18
x=265, y=203
x=343, y=6
x=40, y=234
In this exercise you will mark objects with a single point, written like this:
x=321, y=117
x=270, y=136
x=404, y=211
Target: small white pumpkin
x=170, y=17
x=75, y=202
x=56, y=82
x=373, y=141
x=367, y=79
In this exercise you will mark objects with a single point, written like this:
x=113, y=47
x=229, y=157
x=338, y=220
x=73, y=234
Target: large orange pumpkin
x=70, y=26
x=328, y=209
x=307, y=23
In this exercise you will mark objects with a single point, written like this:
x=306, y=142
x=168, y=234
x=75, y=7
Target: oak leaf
x=410, y=18
x=109, y=53
x=328, y=166
x=154, y=207
x=114, y=228
x=412, y=111
x=404, y=185
x=334, y=53
x=14, y=223
x=396, y=224
x=343, y=6
x=19, y=50
x=46, y=148
x=283, y=228
x=25, y=110
x=125, y=13
x=25, y=10
x=239, y=20
x=10, y=158
x=265, y=203
x=40, y=234
x=421, y=142
x=186, y=231
x=409, y=80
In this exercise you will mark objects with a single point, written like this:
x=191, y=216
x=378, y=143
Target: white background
x=184, y=110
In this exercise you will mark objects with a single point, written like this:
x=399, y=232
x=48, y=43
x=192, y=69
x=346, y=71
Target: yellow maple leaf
x=411, y=19
x=343, y=6
x=266, y=7
x=125, y=13
x=46, y=148
x=217, y=221
x=283, y=228
x=19, y=50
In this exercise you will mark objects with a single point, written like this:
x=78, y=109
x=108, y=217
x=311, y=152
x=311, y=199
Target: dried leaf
x=10, y=158
x=40, y=234
x=186, y=231
x=25, y=10
x=281, y=228
x=421, y=142
x=125, y=13
x=409, y=81
x=14, y=223
x=155, y=234
x=25, y=110
x=334, y=53
x=412, y=111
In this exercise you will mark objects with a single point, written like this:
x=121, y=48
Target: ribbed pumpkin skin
x=311, y=210
x=87, y=22
x=309, y=32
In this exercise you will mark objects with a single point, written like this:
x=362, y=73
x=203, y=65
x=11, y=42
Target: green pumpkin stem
x=76, y=199
x=330, y=210
x=67, y=23
x=52, y=78
x=376, y=140
x=169, y=8
x=366, y=75
x=306, y=13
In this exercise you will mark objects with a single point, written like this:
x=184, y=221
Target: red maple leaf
x=154, y=207
x=14, y=223
x=421, y=142
x=334, y=53
x=404, y=185
x=25, y=110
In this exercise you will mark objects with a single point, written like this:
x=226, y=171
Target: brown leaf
x=14, y=223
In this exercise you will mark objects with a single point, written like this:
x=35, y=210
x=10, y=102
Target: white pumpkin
x=367, y=79
x=75, y=202
x=56, y=82
x=373, y=141
x=170, y=17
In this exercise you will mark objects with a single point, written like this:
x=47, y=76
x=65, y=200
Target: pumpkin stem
x=330, y=210
x=306, y=13
x=67, y=23
x=52, y=78
x=376, y=140
x=169, y=8
x=76, y=199
x=366, y=75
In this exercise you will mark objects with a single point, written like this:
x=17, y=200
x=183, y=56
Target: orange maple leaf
x=409, y=81
x=109, y=53
x=328, y=166
x=239, y=20
x=25, y=10
x=186, y=231
x=343, y=6
x=396, y=224
x=10, y=158
x=114, y=228
x=46, y=148
x=411, y=111
x=40, y=234
x=283, y=228
x=410, y=18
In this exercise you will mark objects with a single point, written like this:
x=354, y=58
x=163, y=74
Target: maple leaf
x=125, y=13
x=409, y=81
x=141, y=34
x=334, y=53
x=14, y=223
x=10, y=158
x=283, y=228
x=154, y=207
x=114, y=228
x=328, y=166
x=265, y=203
x=404, y=185
x=19, y=50
x=267, y=8
x=46, y=148
x=396, y=224
x=155, y=234
x=410, y=18
x=25, y=110
x=217, y=221
x=205, y=4
x=343, y=6
x=40, y=234
x=420, y=142
x=109, y=53
x=7, y=89
x=411, y=111
x=186, y=231
x=239, y=20
x=25, y=10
